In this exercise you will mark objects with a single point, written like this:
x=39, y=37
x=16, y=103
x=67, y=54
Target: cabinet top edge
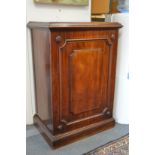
x=53, y=25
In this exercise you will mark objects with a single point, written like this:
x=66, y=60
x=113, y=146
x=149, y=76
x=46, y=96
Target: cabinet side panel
x=41, y=63
x=112, y=73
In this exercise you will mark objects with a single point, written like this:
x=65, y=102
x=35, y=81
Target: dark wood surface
x=42, y=78
x=74, y=25
x=74, y=72
x=56, y=141
x=83, y=78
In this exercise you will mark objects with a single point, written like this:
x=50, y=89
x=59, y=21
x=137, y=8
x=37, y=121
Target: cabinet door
x=84, y=74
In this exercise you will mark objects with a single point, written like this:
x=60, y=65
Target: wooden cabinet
x=74, y=70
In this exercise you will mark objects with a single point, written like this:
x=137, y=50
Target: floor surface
x=36, y=145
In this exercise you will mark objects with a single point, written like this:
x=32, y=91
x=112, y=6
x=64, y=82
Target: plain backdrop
x=47, y=13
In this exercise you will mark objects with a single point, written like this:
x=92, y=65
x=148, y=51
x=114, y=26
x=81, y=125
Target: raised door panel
x=86, y=83
x=84, y=70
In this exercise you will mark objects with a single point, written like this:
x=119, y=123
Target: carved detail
x=58, y=39
x=108, y=40
x=60, y=127
x=64, y=121
x=113, y=37
x=106, y=111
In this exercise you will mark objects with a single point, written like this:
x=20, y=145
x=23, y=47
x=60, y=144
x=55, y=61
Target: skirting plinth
x=59, y=140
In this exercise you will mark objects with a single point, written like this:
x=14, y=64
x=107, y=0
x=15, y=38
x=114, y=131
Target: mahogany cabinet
x=74, y=73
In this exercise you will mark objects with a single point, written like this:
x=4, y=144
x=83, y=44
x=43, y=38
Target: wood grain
x=74, y=68
x=68, y=25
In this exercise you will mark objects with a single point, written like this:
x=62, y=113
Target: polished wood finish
x=56, y=141
x=68, y=25
x=74, y=70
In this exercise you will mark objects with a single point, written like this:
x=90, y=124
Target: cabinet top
x=53, y=25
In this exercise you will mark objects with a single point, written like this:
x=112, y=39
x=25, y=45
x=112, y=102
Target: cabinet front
x=84, y=64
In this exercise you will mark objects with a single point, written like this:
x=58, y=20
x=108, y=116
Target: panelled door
x=85, y=63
